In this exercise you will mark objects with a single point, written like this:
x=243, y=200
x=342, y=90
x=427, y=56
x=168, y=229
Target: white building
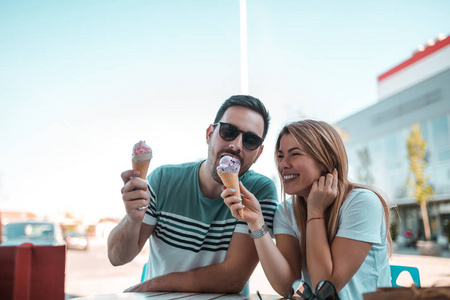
x=415, y=91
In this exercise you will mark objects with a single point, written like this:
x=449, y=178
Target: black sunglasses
x=325, y=290
x=229, y=132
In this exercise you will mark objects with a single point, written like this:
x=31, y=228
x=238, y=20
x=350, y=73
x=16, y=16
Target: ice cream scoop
x=228, y=164
x=228, y=171
x=141, y=157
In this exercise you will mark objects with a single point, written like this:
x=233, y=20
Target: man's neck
x=208, y=186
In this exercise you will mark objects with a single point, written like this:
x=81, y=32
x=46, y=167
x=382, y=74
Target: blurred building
x=415, y=91
x=13, y=216
x=104, y=227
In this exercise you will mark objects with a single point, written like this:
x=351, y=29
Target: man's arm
x=227, y=277
x=127, y=239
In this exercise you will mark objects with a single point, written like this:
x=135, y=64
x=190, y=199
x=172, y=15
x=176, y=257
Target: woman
x=330, y=229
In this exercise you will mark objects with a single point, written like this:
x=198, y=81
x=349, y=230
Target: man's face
x=244, y=119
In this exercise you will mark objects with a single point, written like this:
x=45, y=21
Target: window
x=440, y=132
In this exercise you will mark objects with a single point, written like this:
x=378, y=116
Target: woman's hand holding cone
x=250, y=205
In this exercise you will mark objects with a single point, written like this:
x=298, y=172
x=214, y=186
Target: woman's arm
x=281, y=262
x=339, y=262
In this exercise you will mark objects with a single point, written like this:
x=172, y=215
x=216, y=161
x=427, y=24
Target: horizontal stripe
x=194, y=235
x=178, y=243
x=191, y=248
x=195, y=224
x=185, y=238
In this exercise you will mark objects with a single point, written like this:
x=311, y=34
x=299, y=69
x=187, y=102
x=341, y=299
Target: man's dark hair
x=248, y=102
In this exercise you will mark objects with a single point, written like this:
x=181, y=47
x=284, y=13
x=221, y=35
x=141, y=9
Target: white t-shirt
x=361, y=218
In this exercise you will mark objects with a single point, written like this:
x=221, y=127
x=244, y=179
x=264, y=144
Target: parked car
x=76, y=238
x=35, y=232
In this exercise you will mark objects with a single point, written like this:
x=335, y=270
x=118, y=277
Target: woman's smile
x=290, y=178
x=298, y=169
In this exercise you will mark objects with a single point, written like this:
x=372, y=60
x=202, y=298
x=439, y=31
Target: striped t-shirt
x=191, y=230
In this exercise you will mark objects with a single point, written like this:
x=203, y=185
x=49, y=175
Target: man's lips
x=232, y=155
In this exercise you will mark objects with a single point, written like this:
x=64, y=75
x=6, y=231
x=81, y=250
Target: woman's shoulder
x=358, y=193
x=362, y=196
x=285, y=203
x=285, y=207
x=284, y=220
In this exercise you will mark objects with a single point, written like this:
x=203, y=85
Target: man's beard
x=213, y=162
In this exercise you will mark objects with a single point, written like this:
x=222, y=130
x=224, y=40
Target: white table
x=184, y=296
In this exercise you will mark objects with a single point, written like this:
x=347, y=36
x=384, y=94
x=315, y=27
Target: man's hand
x=138, y=288
x=135, y=195
x=126, y=240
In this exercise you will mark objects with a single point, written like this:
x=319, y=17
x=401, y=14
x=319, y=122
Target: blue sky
x=82, y=81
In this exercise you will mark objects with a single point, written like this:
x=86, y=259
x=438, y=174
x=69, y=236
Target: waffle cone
x=231, y=181
x=141, y=167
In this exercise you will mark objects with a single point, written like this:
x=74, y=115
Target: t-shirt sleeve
x=283, y=221
x=268, y=199
x=151, y=216
x=266, y=193
x=361, y=217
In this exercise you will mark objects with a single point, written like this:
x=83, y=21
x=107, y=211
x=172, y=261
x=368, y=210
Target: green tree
x=422, y=190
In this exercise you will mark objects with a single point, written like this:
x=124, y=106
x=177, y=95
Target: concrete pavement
x=433, y=270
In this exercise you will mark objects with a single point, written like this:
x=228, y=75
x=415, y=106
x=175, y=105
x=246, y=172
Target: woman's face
x=298, y=169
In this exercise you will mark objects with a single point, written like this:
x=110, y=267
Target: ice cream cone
x=142, y=167
x=231, y=181
x=141, y=157
x=228, y=170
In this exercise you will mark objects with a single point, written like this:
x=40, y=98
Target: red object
x=315, y=218
x=416, y=57
x=31, y=272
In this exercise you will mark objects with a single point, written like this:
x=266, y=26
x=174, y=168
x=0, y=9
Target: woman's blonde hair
x=322, y=142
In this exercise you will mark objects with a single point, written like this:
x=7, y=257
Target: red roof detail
x=416, y=57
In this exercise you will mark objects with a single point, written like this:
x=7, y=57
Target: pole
x=244, y=50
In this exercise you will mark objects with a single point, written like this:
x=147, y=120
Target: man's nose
x=237, y=143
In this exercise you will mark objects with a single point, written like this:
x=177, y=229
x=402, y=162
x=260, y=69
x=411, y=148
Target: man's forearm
x=123, y=242
x=229, y=276
x=213, y=279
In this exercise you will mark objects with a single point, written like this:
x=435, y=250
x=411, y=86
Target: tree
x=417, y=179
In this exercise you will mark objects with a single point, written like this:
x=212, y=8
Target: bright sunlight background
x=82, y=81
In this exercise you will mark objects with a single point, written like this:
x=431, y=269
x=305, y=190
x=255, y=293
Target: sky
x=82, y=81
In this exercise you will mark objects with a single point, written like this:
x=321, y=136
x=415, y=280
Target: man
x=195, y=243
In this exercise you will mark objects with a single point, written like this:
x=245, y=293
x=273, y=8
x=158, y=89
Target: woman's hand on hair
x=250, y=205
x=323, y=193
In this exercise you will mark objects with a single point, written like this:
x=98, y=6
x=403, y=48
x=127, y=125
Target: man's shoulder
x=179, y=167
x=261, y=186
x=251, y=175
x=173, y=171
